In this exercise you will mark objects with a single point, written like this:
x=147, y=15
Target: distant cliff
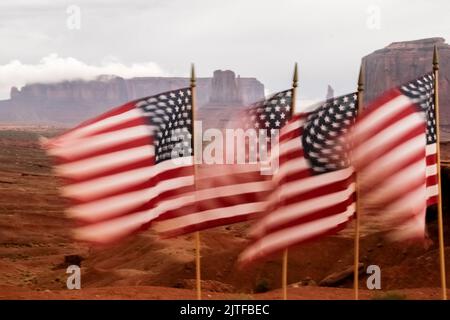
x=401, y=62
x=70, y=102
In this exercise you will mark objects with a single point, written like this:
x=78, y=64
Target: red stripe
x=100, y=173
x=432, y=200
x=374, y=155
x=327, y=189
x=291, y=155
x=380, y=102
x=431, y=159
x=267, y=254
x=214, y=203
x=432, y=180
x=114, y=112
x=139, y=121
x=366, y=134
x=137, y=142
x=170, y=194
x=291, y=135
x=208, y=225
x=153, y=181
x=331, y=210
x=384, y=174
x=399, y=193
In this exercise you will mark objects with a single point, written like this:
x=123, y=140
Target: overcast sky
x=255, y=38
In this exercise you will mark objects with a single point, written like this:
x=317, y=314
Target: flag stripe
x=117, y=169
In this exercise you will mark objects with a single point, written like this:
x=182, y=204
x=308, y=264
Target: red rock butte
x=70, y=102
x=401, y=62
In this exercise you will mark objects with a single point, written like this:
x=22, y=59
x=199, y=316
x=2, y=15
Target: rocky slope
x=401, y=62
x=36, y=248
x=70, y=102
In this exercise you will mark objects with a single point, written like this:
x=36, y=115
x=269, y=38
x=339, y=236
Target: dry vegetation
x=35, y=248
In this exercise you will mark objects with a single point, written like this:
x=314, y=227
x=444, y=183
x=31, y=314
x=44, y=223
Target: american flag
x=421, y=91
x=315, y=184
x=124, y=168
x=234, y=192
x=395, y=155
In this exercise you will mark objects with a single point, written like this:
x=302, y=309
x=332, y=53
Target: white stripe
x=112, y=206
x=292, y=235
x=101, y=186
x=283, y=148
x=207, y=194
x=290, y=145
x=101, y=125
x=432, y=191
x=384, y=112
x=301, y=209
x=431, y=149
x=313, y=182
x=291, y=126
x=378, y=141
x=394, y=157
x=291, y=166
x=213, y=171
x=431, y=170
x=413, y=228
x=105, y=232
x=409, y=204
x=83, y=146
x=89, y=166
x=219, y=192
x=209, y=215
x=396, y=182
x=232, y=190
x=110, y=229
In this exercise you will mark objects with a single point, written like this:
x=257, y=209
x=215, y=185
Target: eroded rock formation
x=70, y=102
x=401, y=62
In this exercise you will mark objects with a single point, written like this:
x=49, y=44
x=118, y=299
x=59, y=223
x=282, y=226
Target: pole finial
x=192, y=75
x=361, y=78
x=435, y=58
x=295, y=77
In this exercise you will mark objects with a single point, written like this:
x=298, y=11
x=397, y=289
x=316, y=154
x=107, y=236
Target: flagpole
x=358, y=202
x=197, y=234
x=438, y=163
x=285, y=252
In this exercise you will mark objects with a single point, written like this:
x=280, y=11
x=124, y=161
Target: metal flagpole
x=358, y=201
x=197, y=234
x=285, y=253
x=438, y=164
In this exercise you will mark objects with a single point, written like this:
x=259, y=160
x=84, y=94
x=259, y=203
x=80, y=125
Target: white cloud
x=54, y=68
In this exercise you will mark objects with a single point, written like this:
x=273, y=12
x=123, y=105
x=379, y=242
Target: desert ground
x=36, y=248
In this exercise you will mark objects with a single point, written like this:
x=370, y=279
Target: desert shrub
x=262, y=285
x=390, y=296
